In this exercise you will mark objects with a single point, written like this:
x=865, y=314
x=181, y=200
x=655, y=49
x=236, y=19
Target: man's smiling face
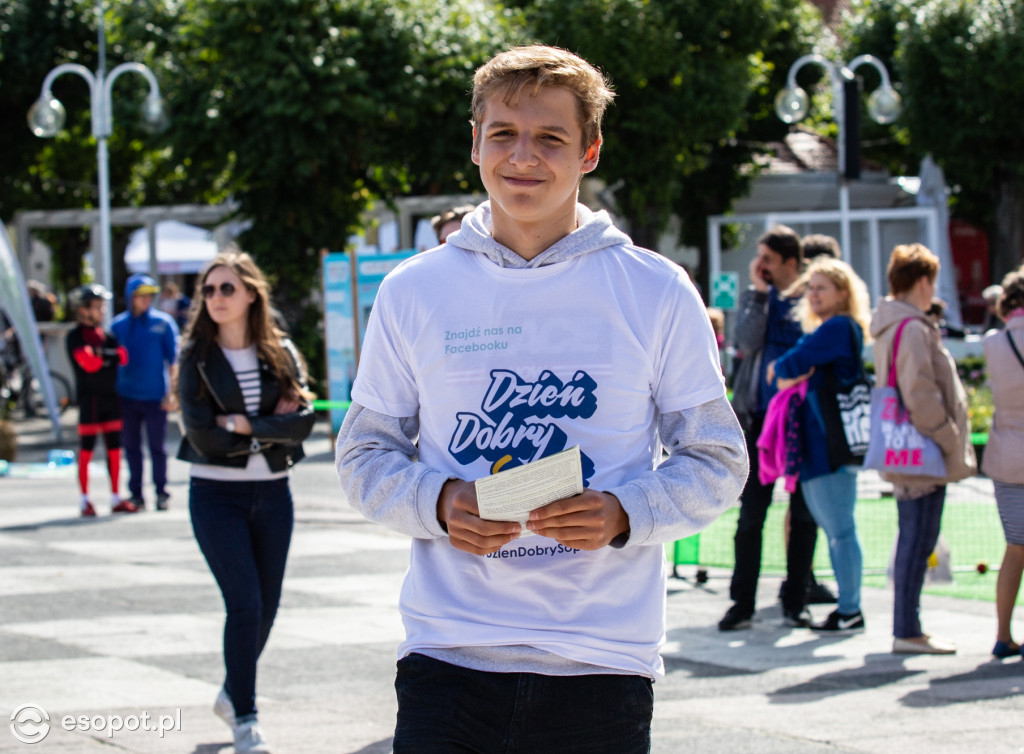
x=531, y=157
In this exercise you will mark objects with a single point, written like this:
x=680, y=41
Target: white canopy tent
x=181, y=249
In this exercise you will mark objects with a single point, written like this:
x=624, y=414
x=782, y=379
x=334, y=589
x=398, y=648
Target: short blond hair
x=534, y=66
x=858, y=301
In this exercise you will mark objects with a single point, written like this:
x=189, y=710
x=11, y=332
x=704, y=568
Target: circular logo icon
x=30, y=724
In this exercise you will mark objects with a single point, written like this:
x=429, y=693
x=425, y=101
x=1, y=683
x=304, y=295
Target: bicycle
x=21, y=392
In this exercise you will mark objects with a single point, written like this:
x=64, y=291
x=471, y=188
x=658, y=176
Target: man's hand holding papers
x=545, y=497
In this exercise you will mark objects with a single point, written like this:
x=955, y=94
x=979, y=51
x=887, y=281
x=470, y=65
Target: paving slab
x=117, y=618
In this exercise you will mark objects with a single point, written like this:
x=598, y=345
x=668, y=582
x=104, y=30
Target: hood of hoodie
x=137, y=282
x=594, y=231
x=890, y=313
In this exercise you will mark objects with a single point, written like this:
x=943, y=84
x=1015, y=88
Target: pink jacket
x=777, y=444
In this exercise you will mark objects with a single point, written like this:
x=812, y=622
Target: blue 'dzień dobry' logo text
x=514, y=428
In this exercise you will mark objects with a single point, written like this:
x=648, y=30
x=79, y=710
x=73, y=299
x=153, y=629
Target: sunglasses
x=227, y=290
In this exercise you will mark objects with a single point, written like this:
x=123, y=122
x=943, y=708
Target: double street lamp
x=884, y=106
x=46, y=117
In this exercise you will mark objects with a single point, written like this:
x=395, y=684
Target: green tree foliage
x=304, y=111
x=61, y=173
x=55, y=173
x=307, y=110
x=690, y=76
x=873, y=28
x=962, y=65
x=732, y=161
x=34, y=37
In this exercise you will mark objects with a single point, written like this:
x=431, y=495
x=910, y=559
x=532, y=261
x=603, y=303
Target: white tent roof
x=180, y=249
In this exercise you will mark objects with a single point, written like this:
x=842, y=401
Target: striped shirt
x=247, y=371
x=246, y=366
x=249, y=382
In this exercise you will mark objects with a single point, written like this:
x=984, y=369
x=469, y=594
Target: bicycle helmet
x=84, y=295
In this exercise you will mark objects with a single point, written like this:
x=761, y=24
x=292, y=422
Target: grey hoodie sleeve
x=377, y=463
x=702, y=477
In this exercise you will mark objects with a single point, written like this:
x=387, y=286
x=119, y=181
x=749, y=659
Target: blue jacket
x=829, y=344
x=152, y=343
x=781, y=334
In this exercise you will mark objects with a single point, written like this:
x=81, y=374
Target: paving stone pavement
x=118, y=618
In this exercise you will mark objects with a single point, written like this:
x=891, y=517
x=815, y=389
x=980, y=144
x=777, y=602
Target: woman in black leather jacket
x=246, y=409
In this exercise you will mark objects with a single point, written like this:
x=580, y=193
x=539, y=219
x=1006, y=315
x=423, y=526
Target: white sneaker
x=923, y=645
x=249, y=738
x=224, y=709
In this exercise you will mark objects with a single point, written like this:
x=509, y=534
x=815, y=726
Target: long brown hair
x=201, y=331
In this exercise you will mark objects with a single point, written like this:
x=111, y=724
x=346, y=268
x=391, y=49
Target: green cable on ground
x=326, y=405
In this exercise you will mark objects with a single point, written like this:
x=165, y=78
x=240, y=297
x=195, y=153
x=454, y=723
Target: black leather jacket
x=208, y=388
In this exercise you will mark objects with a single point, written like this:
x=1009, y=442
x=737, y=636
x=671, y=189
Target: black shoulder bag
x=846, y=411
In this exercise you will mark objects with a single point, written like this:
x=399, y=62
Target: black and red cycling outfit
x=95, y=355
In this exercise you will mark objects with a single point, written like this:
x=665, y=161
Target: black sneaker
x=819, y=594
x=796, y=618
x=735, y=619
x=161, y=500
x=138, y=502
x=837, y=622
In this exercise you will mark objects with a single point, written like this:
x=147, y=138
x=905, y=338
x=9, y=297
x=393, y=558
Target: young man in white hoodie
x=537, y=326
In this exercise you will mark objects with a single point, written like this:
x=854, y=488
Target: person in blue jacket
x=144, y=384
x=836, y=301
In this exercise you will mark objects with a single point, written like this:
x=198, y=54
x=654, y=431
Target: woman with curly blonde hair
x=834, y=314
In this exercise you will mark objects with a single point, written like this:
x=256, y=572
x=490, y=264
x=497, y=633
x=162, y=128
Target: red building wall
x=969, y=247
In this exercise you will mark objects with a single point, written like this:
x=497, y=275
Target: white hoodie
x=495, y=362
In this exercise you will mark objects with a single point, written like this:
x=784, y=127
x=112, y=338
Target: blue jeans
x=831, y=499
x=133, y=415
x=445, y=709
x=920, y=519
x=244, y=529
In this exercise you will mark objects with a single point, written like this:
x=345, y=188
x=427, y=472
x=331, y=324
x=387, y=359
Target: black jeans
x=244, y=530
x=445, y=709
x=803, y=533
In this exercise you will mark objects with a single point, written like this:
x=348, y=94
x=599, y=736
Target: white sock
x=84, y=502
x=115, y=499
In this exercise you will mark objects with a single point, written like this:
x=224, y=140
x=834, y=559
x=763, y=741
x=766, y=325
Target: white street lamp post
x=47, y=115
x=792, y=105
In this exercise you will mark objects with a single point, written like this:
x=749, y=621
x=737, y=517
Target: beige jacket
x=1004, y=454
x=931, y=391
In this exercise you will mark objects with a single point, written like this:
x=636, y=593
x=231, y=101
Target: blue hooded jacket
x=831, y=344
x=152, y=342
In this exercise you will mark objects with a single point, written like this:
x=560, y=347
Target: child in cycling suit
x=95, y=355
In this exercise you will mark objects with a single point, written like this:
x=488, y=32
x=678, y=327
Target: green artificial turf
x=971, y=528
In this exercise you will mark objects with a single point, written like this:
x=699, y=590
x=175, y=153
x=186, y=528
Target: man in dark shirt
x=764, y=331
x=95, y=355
